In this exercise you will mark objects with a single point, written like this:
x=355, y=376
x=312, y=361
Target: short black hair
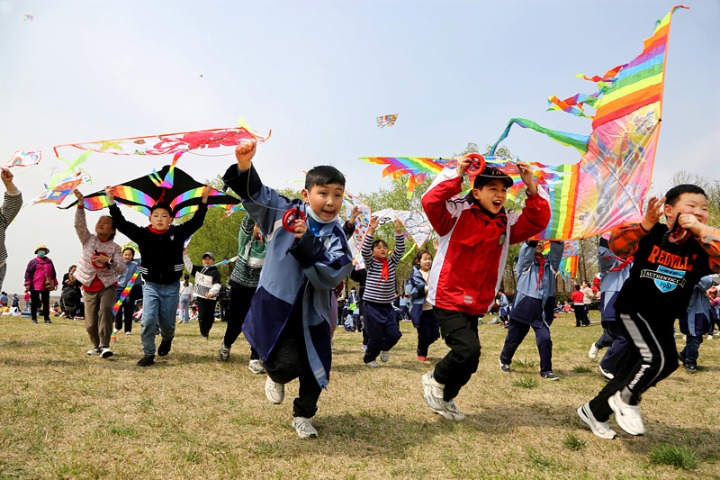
x=673, y=195
x=577, y=287
x=129, y=248
x=324, y=175
x=378, y=242
x=164, y=206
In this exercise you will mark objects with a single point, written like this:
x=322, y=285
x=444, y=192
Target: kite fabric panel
x=415, y=222
x=24, y=159
x=387, y=120
x=170, y=185
x=64, y=188
x=170, y=143
x=362, y=222
x=608, y=186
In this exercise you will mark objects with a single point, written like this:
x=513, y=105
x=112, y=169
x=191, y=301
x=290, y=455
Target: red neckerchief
x=624, y=263
x=385, y=274
x=541, y=272
x=158, y=232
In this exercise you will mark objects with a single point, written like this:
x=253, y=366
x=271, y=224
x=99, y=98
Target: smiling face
x=128, y=254
x=690, y=203
x=491, y=196
x=425, y=262
x=160, y=219
x=207, y=261
x=325, y=200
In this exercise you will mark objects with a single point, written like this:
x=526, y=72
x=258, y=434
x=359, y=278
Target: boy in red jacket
x=475, y=233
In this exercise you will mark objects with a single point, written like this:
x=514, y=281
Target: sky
x=318, y=73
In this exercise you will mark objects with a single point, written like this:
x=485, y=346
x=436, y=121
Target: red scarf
x=385, y=274
x=158, y=232
x=541, y=270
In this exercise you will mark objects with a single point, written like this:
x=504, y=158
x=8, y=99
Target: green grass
x=581, y=369
x=681, y=457
x=64, y=414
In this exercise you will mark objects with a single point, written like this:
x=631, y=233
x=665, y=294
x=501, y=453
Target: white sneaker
x=433, y=394
x=94, y=351
x=115, y=330
x=606, y=374
x=451, y=412
x=384, y=355
x=627, y=416
x=373, y=364
x=275, y=392
x=709, y=337
x=304, y=427
x=592, y=353
x=128, y=333
x=224, y=353
x=106, y=352
x=601, y=429
x=256, y=366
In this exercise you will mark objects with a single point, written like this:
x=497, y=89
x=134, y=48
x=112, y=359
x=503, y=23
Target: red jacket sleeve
x=441, y=213
x=534, y=218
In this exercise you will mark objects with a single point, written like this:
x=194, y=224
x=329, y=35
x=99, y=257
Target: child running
x=669, y=261
x=695, y=323
x=421, y=312
x=243, y=283
x=97, y=271
x=161, y=247
x=475, y=233
x=289, y=319
x=534, y=304
x=380, y=316
x=207, y=287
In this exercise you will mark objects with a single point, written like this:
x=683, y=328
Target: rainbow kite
x=125, y=292
x=387, y=120
x=608, y=186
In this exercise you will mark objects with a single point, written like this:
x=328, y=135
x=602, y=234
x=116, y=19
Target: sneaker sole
x=620, y=419
x=583, y=416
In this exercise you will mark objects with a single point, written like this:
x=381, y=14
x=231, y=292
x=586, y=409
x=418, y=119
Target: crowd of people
x=286, y=293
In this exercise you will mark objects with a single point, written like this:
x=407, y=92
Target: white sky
x=318, y=73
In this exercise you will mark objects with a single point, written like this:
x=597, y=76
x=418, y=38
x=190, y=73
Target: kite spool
x=288, y=219
x=477, y=165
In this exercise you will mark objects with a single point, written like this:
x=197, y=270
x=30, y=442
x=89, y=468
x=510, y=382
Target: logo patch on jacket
x=501, y=240
x=666, y=279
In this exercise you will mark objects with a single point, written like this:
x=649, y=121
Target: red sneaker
x=421, y=358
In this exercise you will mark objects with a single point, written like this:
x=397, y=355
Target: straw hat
x=42, y=247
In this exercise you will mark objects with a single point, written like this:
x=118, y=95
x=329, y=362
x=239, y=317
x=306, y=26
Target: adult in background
x=10, y=208
x=40, y=280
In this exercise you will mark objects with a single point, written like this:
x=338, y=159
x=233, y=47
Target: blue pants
x=428, y=331
x=691, y=352
x=516, y=334
x=382, y=329
x=618, y=351
x=185, y=308
x=159, y=308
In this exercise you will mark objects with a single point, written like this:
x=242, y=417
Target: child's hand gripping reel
x=477, y=165
x=288, y=219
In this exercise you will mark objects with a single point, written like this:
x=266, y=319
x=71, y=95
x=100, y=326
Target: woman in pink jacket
x=40, y=279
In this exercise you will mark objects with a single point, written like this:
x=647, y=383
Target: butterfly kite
x=170, y=185
x=387, y=120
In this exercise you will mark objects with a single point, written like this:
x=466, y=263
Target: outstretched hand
x=653, y=213
x=526, y=175
x=110, y=192
x=206, y=193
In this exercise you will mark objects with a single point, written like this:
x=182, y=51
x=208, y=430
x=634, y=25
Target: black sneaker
x=35, y=322
x=146, y=361
x=47, y=320
x=690, y=368
x=164, y=347
x=504, y=367
x=550, y=376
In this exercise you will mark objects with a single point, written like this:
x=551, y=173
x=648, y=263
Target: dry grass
x=66, y=415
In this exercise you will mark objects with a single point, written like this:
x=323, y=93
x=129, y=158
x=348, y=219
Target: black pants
x=240, y=298
x=206, y=314
x=579, y=314
x=460, y=332
x=127, y=309
x=428, y=331
x=288, y=361
x=652, y=356
x=35, y=296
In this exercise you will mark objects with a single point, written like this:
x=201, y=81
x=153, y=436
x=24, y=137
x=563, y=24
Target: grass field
x=64, y=414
